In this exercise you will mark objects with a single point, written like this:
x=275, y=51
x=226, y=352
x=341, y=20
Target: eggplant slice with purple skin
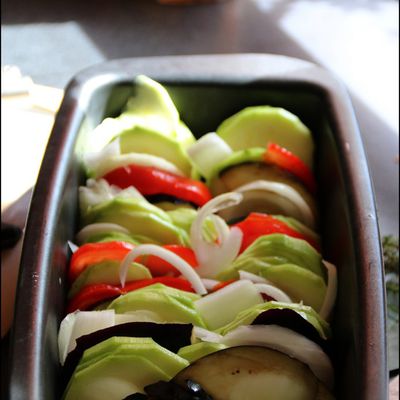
x=291, y=319
x=253, y=373
x=168, y=203
x=299, y=333
x=235, y=175
x=172, y=391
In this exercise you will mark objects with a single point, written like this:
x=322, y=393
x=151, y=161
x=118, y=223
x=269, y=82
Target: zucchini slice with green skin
x=143, y=140
x=256, y=126
x=139, y=218
x=169, y=303
x=276, y=249
x=107, y=272
x=119, y=366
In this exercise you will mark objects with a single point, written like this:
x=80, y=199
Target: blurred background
x=51, y=40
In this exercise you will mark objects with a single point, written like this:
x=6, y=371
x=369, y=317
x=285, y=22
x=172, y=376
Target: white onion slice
x=205, y=335
x=274, y=292
x=112, y=162
x=331, y=290
x=252, y=277
x=180, y=264
x=221, y=307
x=209, y=283
x=98, y=228
x=220, y=225
x=206, y=150
x=287, y=341
x=295, y=203
x=214, y=257
x=73, y=246
x=80, y=323
x=93, y=160
x=98, y=191
x=64, y=336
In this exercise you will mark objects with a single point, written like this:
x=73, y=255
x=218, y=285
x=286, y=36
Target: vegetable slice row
x=235, y=267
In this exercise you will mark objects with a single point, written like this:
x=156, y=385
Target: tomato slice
x=92, y=295
x=221, y=285
x=152, y=181
x=92, y=253
x=257, y=224
x=171, y=281
x=160, y=267
x=286, y=160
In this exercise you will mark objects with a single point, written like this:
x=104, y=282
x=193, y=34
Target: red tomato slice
x=171, y=281
x=160, y=267
x=221, y=285
x=152, y=181
x=92, y=295
x=92, y=253
x=257, y=224
x=286, y=160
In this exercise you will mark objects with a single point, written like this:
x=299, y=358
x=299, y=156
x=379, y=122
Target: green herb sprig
x=390, y=246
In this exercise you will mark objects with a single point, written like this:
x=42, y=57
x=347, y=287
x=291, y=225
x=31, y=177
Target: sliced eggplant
x=291, y=319
x=242, y=174
x=169, y=203
x=172, y=391
x=254, y=373
x=163, y=390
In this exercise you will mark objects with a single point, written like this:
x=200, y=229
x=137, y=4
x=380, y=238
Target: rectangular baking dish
x=206, y=90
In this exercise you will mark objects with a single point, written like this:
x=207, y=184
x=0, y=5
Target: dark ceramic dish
x=206, y=90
